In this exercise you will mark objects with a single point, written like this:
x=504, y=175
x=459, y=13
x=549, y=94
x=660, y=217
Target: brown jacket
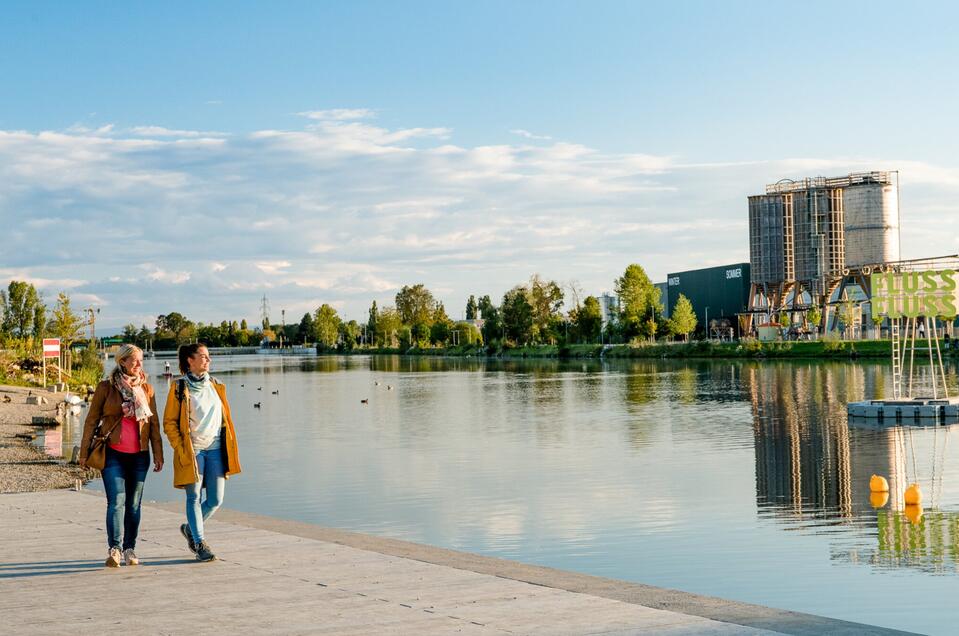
x=176, y=425
x=107, y=405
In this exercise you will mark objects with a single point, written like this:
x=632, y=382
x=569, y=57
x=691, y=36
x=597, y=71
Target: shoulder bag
x=97, y=450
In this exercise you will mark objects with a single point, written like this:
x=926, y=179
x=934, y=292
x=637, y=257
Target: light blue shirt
x=206, y=416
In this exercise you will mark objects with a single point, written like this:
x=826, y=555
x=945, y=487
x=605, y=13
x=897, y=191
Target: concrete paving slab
x=288, y=578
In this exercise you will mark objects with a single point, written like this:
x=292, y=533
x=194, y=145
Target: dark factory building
x=718, y=294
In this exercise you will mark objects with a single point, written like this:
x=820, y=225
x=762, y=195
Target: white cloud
x=160, y=131
x=339, y=114
x=273, y=267
x=528, y=135
x=347, y=212
x=160, y=275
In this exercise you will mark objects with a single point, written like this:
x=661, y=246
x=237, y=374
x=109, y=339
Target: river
x=735, y=479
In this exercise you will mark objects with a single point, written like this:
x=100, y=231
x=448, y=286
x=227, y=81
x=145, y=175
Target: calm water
x=738, y=480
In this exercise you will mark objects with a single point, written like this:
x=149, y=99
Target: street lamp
x=707, y=323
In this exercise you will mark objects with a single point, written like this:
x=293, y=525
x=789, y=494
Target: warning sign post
x=51, y=349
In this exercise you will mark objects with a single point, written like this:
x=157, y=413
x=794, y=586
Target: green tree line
x=535, y=312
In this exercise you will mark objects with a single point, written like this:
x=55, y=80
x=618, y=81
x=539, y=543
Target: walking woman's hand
x=83, y=463
x=158, y=465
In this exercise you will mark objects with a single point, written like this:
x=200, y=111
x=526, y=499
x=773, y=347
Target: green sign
x=112, y=341
x=912, y=294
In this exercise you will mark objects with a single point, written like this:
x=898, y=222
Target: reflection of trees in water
x=640, y=387
x=931, y=545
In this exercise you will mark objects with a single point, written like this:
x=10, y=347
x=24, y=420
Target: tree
x=649, y=328
x=588, y=319
x=638, y=299
x=683, y=319
x=244, y=326
x=174, y=326
x=68, y=326
x=326, y=326
x=471, y=308
x=517, y=315
x=441, y=327
x=388, y=326
x=420, y=334
x=371, y=324
x=306, y=328
x=467, y=334
x=848, y=313
x=814, y=316
x=39, y=320
x=492, y=329
x=485, y=307
x=545, y=299
x=415, y=305
x=575, y=293
x=349, y=334
x=20, y=303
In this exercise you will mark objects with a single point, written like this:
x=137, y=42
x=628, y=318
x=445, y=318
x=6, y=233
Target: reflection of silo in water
x=802, y=451
x=811, y=464
x=807, y=457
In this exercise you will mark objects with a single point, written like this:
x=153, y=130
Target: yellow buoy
x=878, y=499
x=913, y=513
x=878, y=483
x=913, y=495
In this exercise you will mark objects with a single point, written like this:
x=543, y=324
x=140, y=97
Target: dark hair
x=185, y=352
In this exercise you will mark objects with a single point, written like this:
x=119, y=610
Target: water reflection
x=813, y=467
x=715, y=477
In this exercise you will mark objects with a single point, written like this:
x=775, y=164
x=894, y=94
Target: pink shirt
x=129, y=437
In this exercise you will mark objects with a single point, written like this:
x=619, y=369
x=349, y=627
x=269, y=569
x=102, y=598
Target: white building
x=608, y=308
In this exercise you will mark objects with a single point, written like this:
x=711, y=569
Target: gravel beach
x=24, y=468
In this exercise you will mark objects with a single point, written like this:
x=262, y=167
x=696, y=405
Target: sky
x=196, y=157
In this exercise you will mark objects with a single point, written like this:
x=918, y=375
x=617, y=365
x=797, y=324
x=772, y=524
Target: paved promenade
x=292, y=578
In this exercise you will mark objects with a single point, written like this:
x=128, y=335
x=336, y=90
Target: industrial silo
x=872, y=221
x=770, y=238
x=819, y=231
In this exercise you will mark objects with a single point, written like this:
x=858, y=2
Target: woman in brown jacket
x=198, y=423
x=126, y=406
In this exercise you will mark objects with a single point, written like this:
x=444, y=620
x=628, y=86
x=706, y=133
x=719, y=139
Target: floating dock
x=922, y=411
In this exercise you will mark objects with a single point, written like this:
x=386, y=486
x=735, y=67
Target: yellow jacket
x=176, y=425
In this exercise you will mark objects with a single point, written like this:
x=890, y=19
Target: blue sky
x=195, y=156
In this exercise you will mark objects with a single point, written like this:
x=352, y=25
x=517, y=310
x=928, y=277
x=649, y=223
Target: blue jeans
x=123, y=477
x=209, y=465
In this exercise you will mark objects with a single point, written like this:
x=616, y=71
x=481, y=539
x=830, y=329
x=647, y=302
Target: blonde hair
x=124, y=353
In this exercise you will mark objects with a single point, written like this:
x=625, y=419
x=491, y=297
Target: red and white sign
x=51, y=347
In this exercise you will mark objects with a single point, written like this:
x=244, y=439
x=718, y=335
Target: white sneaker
x=113, y=559
x=129, y=558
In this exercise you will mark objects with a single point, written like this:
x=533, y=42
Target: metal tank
x=770, y=238
x=819, y=233
x=872, y=222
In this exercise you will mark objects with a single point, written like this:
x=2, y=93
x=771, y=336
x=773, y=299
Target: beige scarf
x=135, y=403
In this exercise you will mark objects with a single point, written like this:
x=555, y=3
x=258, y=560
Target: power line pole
x=265, y=312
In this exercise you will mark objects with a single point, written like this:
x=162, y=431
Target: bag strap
x=101, y=439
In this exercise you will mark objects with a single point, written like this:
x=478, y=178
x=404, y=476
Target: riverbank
x=286, y=577
x=23, y=467
x=748, y=349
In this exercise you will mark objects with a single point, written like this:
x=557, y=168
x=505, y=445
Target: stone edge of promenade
x=726, y=611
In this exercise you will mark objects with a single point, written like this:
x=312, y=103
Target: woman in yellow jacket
x=198, y=423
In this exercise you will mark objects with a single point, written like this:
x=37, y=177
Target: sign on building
x=930, y=293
